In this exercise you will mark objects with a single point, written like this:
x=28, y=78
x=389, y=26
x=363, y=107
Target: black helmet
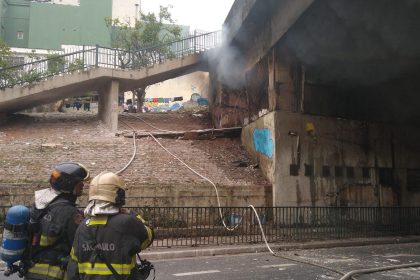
x=67, y=175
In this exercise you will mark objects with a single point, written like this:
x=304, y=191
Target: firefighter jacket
x=52, y=243
x=108, y=240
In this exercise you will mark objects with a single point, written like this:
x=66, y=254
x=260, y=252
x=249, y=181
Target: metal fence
x=60, y=63
x=200, y=226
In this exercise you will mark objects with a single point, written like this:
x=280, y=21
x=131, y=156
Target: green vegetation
x=5, y=61
x=5, y=54
x=39, y=69
x=55, y=63
x=137, y=41
x=151, y=31
x=77, y=64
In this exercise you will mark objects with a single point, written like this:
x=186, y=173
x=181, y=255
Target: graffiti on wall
x=263, y=141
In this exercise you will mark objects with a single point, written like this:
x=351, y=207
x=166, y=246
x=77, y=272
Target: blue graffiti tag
x=263, y=141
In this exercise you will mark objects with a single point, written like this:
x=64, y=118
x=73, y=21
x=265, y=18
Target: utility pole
x=138, y=10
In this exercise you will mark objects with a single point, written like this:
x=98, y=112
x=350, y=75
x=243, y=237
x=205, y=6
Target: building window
x=413, y=179
x=309, y=170
x=338, y=171
x=366, y=172
x=20, y=35
x=325, y=171
x=386, y=176
x=350, y=171
x=294, y=170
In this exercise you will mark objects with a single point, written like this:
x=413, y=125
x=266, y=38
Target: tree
x=5, y=54
x=144, y=43
x=5, y=62
x=12, y=74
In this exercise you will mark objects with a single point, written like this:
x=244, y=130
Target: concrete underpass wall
x=341, y=161
x=319, y=141
x=259, y=140
x=319, y=161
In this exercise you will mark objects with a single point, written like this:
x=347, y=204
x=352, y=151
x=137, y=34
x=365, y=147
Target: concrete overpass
x=107, y=82
x=333, y=85
x=104, y=70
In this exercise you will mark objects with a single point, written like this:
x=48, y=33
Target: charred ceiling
x=357, y=42
x=359, y=59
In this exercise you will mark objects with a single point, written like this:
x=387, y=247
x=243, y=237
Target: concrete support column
x=108, y=105
x=281, y=89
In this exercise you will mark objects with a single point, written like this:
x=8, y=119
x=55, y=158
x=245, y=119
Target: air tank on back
x=15, y=235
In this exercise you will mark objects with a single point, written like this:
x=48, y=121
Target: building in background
x=50, y=24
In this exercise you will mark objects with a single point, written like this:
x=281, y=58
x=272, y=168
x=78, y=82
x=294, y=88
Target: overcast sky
x=207, y=15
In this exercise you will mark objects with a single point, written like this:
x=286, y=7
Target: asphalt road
x=266, y=266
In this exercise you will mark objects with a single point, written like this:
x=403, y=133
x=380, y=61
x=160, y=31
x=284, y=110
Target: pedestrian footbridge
x=104, y=70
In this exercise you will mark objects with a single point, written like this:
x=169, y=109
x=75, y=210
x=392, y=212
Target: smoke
x=229, y=64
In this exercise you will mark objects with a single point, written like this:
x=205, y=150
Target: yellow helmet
x=107, y=186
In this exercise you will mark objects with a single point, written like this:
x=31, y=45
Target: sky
x=206, y=15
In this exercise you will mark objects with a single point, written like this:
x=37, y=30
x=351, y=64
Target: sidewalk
x=154, y=254
x=172, y=253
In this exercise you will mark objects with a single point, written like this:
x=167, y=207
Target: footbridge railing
x=60, y=63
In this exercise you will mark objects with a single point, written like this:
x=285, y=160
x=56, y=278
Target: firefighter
x=106, y=243
x=54, y=219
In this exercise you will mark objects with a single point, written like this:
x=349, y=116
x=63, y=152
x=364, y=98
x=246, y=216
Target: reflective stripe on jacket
x=114, y=239
x=45, y=271
x=57, y=229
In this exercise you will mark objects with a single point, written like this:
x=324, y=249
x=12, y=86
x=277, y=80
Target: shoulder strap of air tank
x=58, y=202
x=92, y=233
x=114, y=272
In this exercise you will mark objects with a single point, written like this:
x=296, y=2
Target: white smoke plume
x=229, y=64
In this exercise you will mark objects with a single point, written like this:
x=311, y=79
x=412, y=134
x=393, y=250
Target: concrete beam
x=59, y=87
x=283, y=15
x=108, y=105
x=239, y=12
x=257, y=25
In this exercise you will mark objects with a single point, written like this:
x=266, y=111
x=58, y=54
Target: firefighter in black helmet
x=106, y=243
x=54, y=219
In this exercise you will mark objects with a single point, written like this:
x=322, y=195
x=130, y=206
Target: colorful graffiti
x=263, y=141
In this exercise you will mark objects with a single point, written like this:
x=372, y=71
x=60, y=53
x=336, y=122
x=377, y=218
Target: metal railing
x=59, y=63
x=201, y=226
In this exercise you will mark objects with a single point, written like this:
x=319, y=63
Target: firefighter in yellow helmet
x=108, y=240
